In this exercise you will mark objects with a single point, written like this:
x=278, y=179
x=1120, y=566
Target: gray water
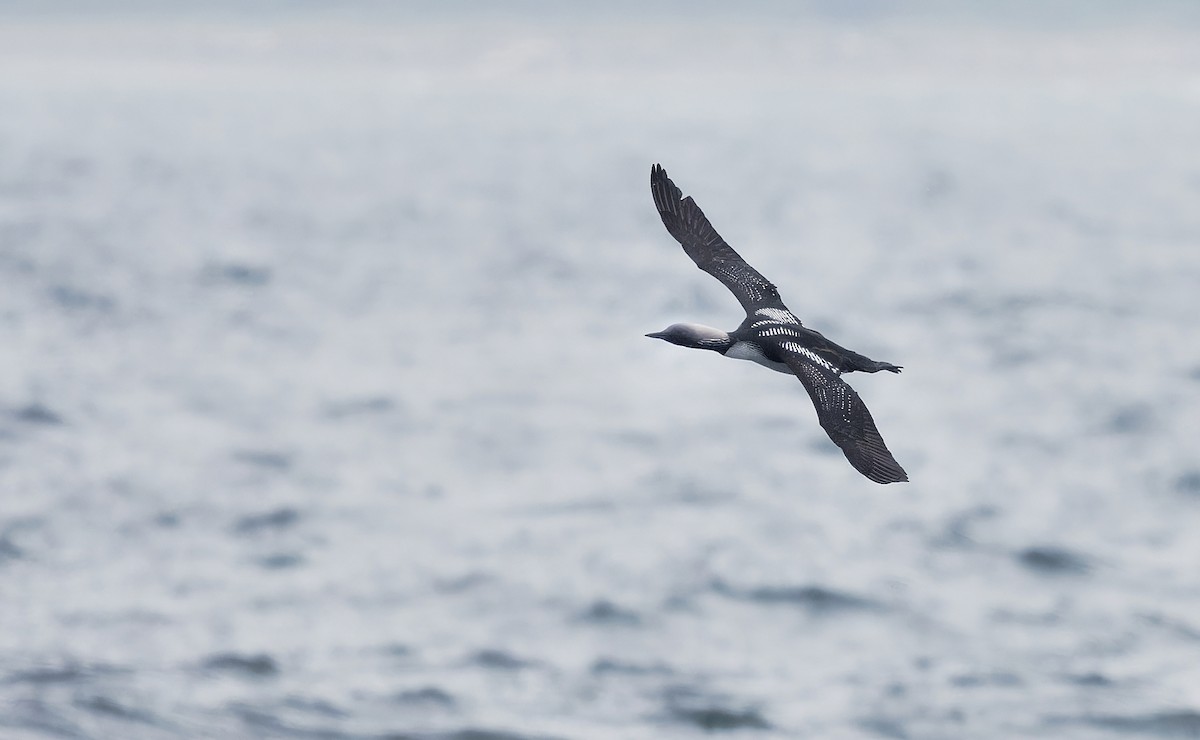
x=325, y=409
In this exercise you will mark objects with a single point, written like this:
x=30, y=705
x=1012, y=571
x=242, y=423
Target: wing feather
x=691, y=228
x=846, y=420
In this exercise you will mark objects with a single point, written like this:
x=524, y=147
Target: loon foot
x=888, y=366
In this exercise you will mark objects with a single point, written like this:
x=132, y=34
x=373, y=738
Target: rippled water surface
x=325, y=409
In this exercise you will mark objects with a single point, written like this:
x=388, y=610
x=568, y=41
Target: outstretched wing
x=687, y=223
x=846, y=420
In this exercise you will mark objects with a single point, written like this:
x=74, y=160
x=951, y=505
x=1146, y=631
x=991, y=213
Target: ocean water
x=325, y=409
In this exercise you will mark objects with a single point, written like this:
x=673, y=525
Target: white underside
x=747, y=351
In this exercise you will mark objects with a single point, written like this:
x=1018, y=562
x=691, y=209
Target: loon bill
x=773, y=337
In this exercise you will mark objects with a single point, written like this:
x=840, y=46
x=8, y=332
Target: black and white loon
x=773, y=337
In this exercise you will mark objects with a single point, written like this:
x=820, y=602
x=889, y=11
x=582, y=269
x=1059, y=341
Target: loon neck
x=717, y=341
x=717, y=345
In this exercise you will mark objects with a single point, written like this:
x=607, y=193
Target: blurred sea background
x=325, y=409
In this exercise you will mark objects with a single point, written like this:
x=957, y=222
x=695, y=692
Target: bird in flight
x=773, y=337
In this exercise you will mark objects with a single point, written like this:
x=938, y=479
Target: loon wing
x=687, y=223
x=846, y=419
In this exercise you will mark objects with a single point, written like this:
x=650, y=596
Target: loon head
x=698, y=336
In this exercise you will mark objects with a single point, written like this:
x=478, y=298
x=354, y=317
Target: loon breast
x=743, y=350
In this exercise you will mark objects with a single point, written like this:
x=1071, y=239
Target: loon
x=773, y=337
